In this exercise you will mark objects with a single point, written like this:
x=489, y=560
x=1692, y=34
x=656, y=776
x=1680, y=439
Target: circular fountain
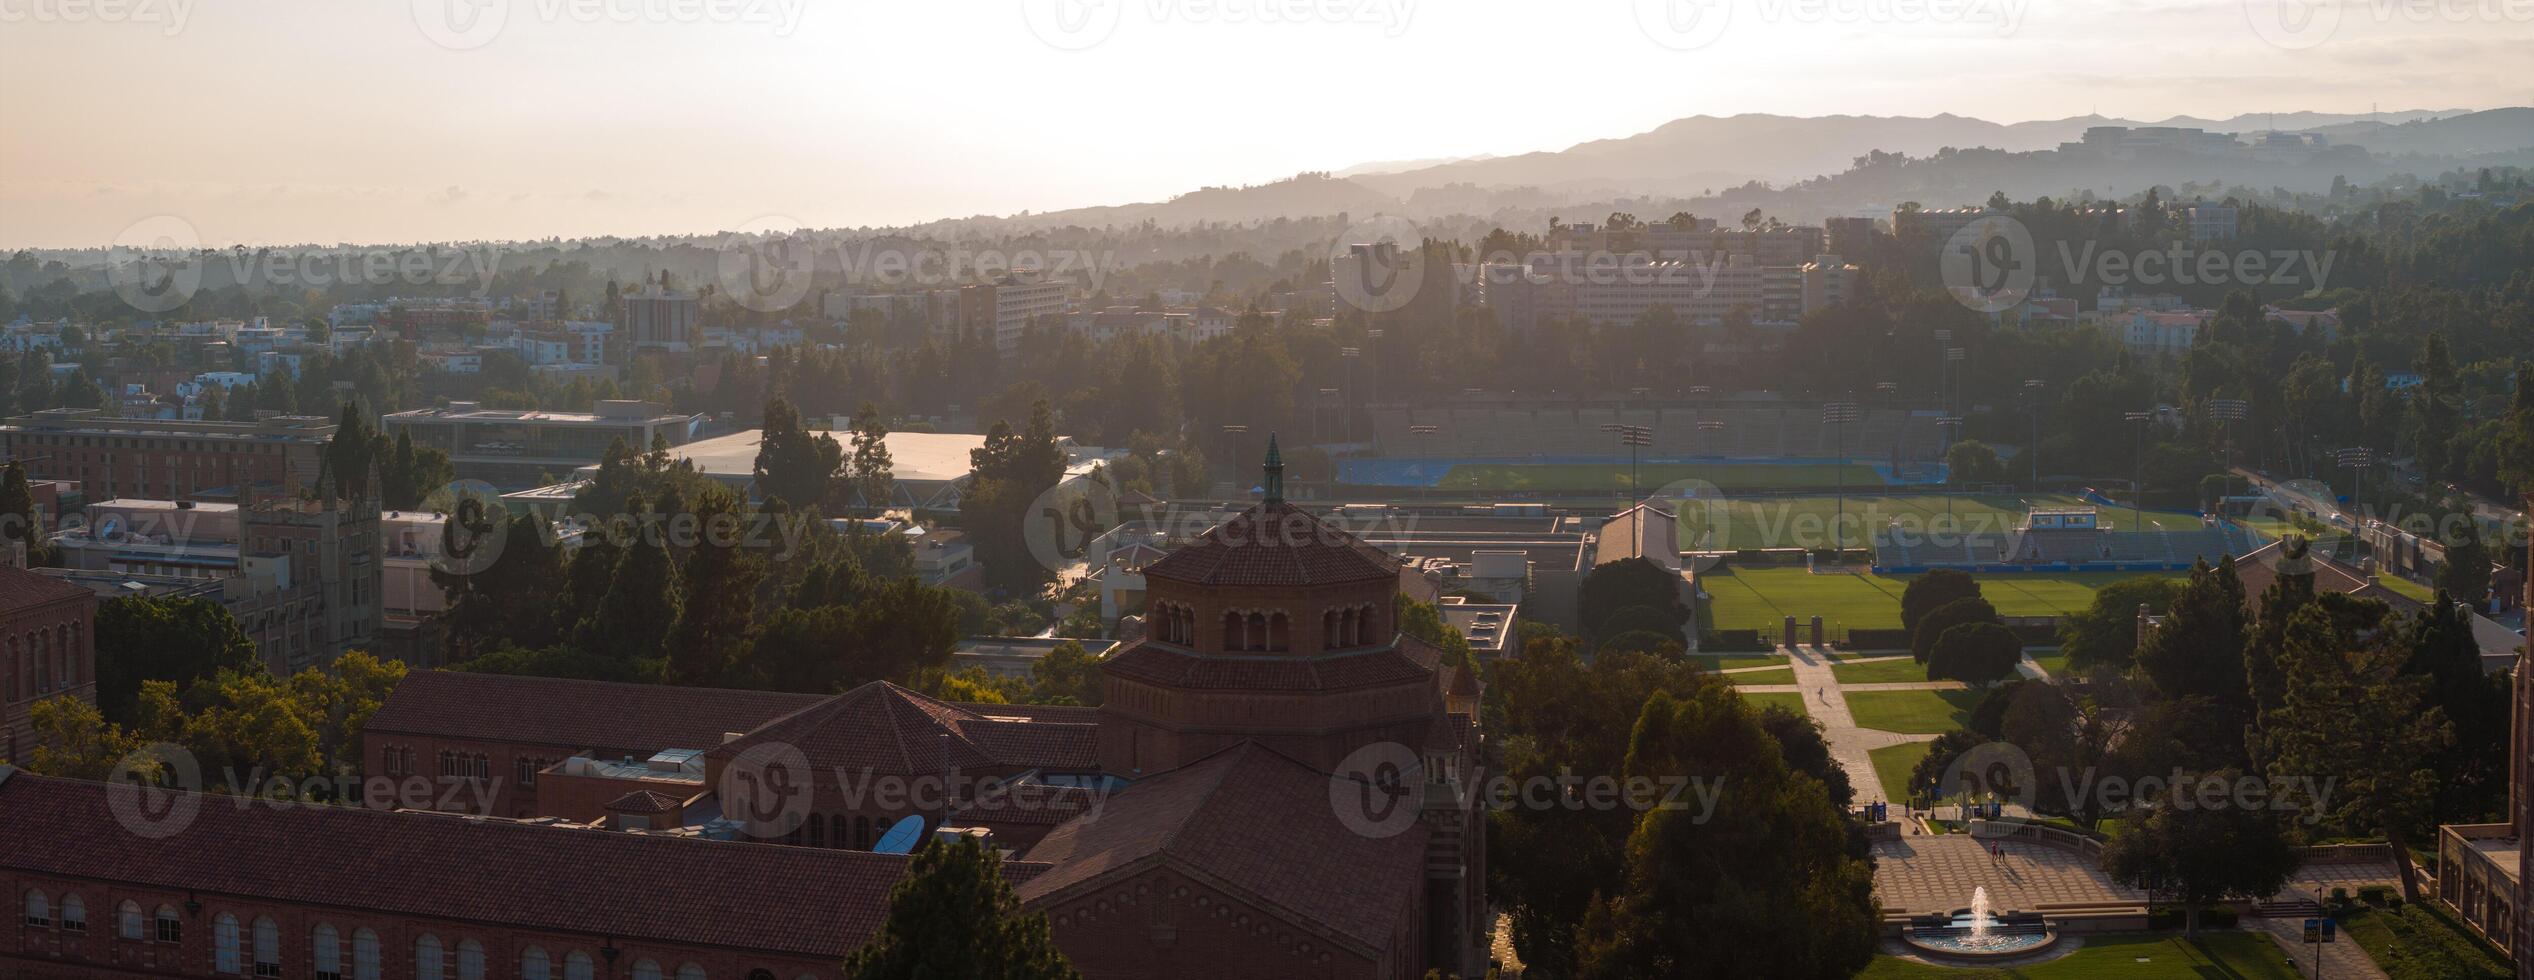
x=1977, y=935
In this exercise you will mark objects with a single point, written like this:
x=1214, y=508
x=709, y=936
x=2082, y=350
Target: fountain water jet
x=1975, y=933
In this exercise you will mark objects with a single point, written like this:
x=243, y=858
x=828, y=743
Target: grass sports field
x=1805, y=522
x=1761, y=598
x=1610, y=477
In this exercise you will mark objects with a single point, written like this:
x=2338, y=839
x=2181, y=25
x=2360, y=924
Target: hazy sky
x=395, y=120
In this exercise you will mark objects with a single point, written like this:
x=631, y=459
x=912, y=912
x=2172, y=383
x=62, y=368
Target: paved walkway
x=1849, y=744
x=2342, y=960
x=1937, y=874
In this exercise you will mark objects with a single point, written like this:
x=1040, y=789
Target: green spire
x=1275, y=472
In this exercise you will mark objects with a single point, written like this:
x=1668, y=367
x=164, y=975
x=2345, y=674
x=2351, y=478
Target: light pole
x=1944, y=368
x=2356, y=460
x=2138, y=475
x=1634, y=437
x=1425, y=435
x=1327, y=396
x=2226, y=412
x=1953, y=377
x=1838, y=415
x=1349, y=355
x=2032, y=389
x=1954, y=424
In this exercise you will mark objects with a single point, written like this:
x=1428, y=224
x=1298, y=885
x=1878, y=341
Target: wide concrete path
x=1849, y=744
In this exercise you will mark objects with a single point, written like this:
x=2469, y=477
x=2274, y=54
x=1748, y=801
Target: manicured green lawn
x=1897, y=670
x=1912, y=712
x=1805, y=522
x=2217, y=955
x=1761, y=598
x=1729, y=661
x=2051, y=662
x=1892, y=766
x=1789, y=699
x=2413, y=590
x=1782, y=675
x=2427, y=943
x=1597, y=477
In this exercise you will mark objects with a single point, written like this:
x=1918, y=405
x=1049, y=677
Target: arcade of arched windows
x=1349, y=627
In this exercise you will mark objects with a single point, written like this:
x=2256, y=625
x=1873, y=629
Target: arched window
x=127, y=920
x=1232, y=639
x=1328, y=629
x=577, y=966
x=533, y=964
x=9, y=670
x=39, y=910
x=837, y=829
x=225, y=955
x=690, y=972
x=268, y=948
x=470, y=960
x=1348, y=625
x=760, y=974
x=74, y=913
x=170, y=928
x=326, y=951
x=1255, y=632
x=364, y=955
x=646, y=970
x=1279, y=633
x=429, y=957
x=862, y=833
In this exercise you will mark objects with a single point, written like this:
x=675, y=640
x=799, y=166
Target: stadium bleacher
x=1761, y=431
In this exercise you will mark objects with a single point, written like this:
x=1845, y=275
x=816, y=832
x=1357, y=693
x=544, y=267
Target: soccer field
x=1761, y=598
x=1608, y=477
x=1805, y=522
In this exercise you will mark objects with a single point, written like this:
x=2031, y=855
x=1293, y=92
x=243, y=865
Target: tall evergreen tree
x=719, y=603
x=954, y=915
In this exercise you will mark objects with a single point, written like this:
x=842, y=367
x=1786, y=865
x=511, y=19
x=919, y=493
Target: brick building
x=1272, y=787
x=167, y=458
x=47, y=649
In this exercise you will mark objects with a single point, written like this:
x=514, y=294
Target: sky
x=376, y=121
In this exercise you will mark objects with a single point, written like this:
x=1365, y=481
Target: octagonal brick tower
x=1272, y=627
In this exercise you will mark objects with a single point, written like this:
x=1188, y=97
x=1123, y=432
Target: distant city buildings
x=657, y=319
x=167, y=458
x=1007, y=307
x=513, y=448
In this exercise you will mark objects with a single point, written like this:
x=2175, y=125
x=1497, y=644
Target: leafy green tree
x=143, y=638
x=1929, y=592
x=74, y=741
x=2199, y=651
x=2203, y=855
x=2105, y=632
x=718, y=596
x=350, y=452
x=1068, y=674
x=1766, y=885
x=1800, y=740
x=2473, y=773
x=1975, y=653
x=1011, y=470
x=2349, y=715
x=633, y=618
x=794, y=464
x=1959, y=612
x=1424, y=620
x=954, y=915
x=870, y=468
x=1941, y=755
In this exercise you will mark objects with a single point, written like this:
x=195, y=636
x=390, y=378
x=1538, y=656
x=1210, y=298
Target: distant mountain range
x=1714, y=158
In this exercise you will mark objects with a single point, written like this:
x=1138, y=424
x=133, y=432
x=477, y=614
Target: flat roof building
x=517, y=449
x=171, y=458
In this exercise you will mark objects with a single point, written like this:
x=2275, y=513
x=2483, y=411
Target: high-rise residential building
x=1006, y=308
x=658, y=319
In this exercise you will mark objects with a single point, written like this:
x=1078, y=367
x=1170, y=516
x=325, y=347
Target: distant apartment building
x=1925, y=228
x=1005, y=308
x=2125, y=142
x=661, y=320
x=513, y=448
x=167, y=458
x=1699, y=241
x=1850, y=235
x=2168, y=334
x=412, y=319
x=2210, y=222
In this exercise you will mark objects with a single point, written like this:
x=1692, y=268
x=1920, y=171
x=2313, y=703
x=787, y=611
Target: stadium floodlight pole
x=2032, y=389
x=1953, y=377
x=1953, y=422
x=2356, y=460
x=1327, y=395
x=1837, y=415
x=2226, y=412
x=1634, y=437
x=1944, y=366
x=2138, y=476
x=1709, y=426
x=1425, y=434
x=1349, y=355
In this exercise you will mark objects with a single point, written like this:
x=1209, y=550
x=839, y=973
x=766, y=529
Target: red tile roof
x=574, y=714
x=1407, y=659
x=644, y=801
x=595, y=883
x=886, y=728
x=20, y=588
x=1254, y=821
x=2260, y=570
x=1275, y=543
